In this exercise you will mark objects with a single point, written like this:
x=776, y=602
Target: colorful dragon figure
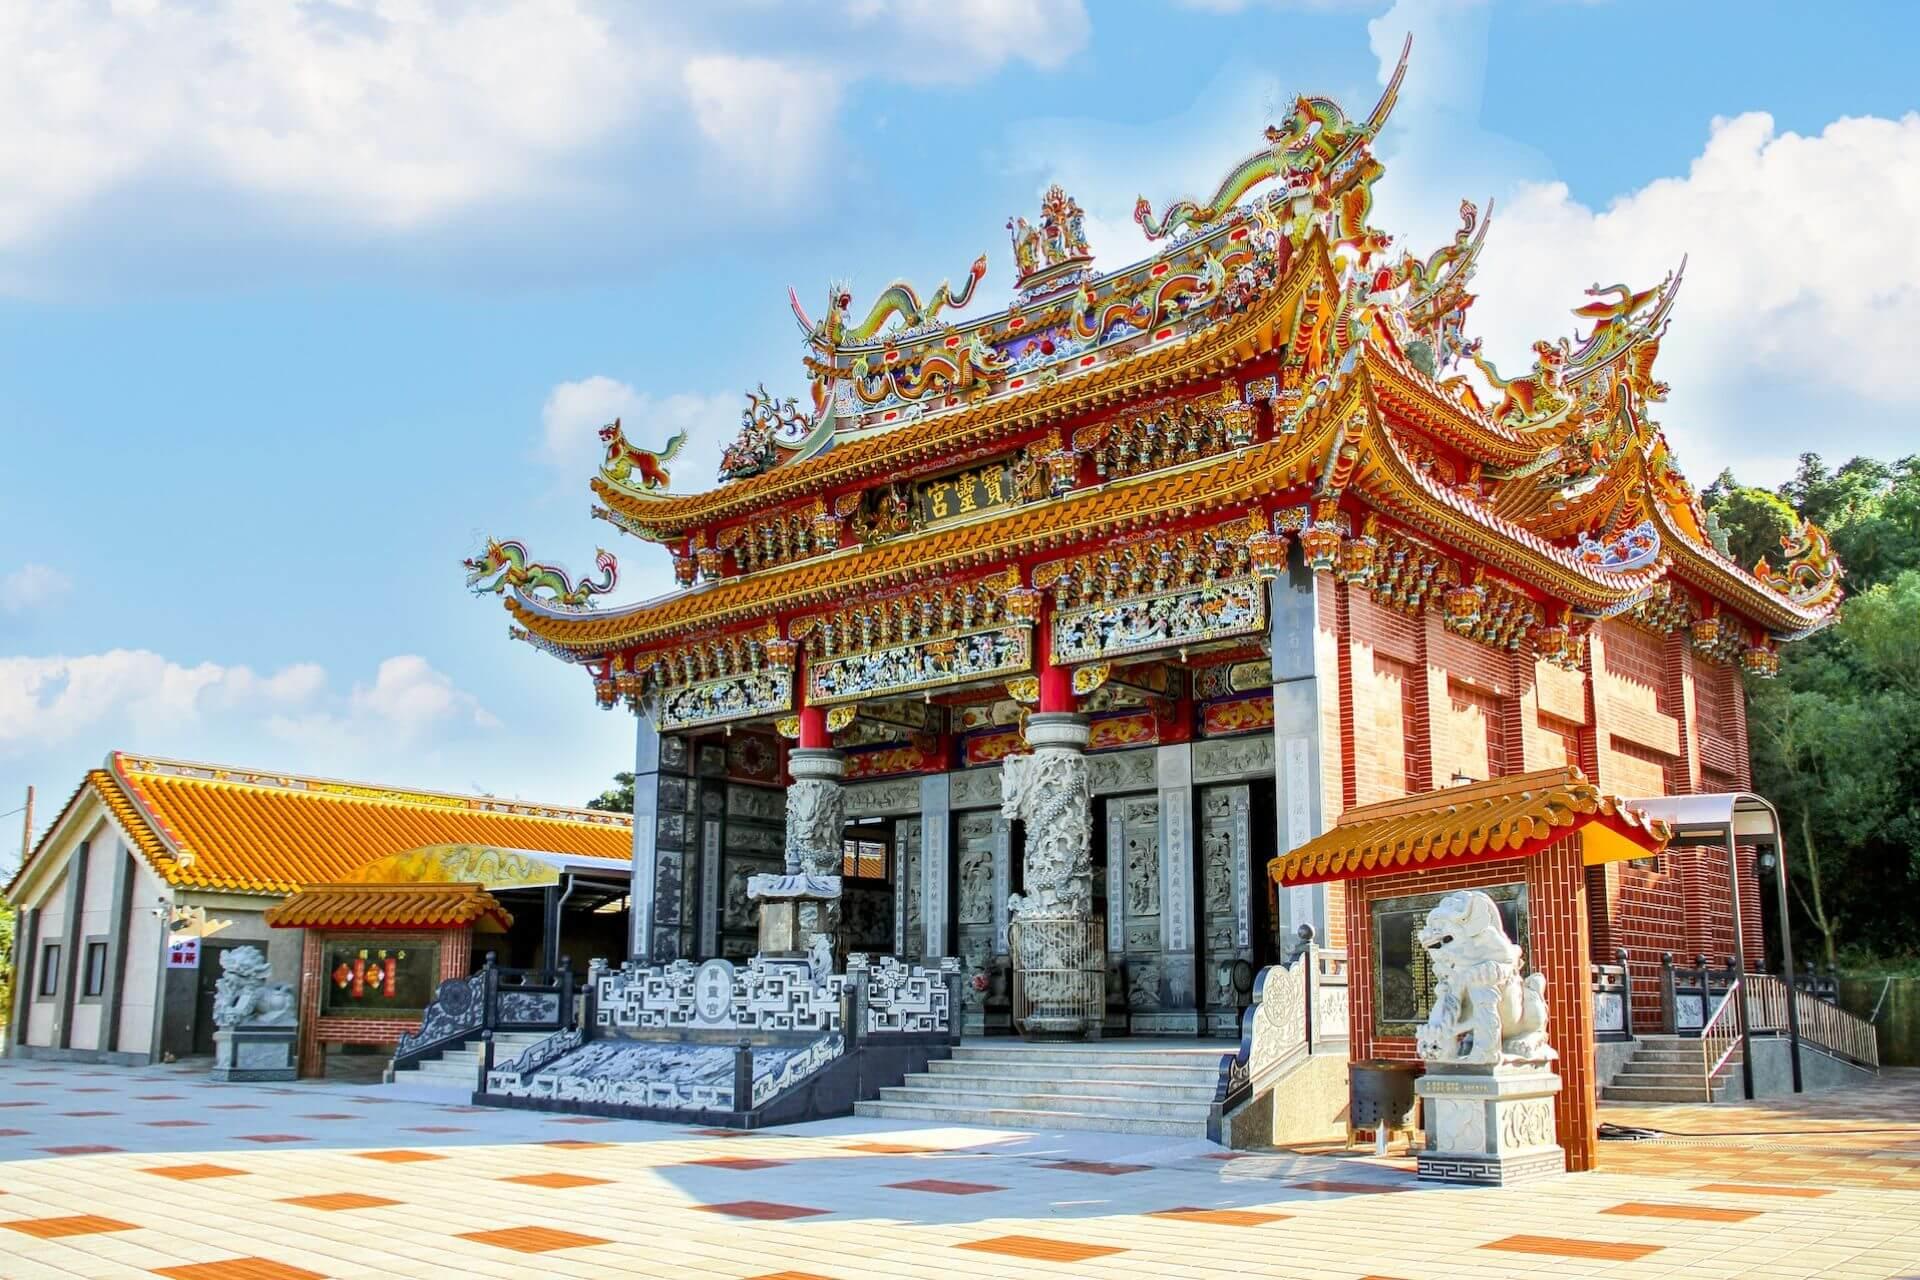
x=1318, y=152
x=764, y=424
x=1537, y=399
x=898, y=300
x=1811, y=576
x=624, y=458
x=1433, y=314
x=504, y=564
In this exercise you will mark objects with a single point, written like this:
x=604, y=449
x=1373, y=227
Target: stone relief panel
x=974, y=789
x=887, y=797
x=757, y=804
x=1226, y=758
x=1133, y=827
x=1123, y=771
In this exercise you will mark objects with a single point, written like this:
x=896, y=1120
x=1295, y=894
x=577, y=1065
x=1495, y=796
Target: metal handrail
x=1723, y=1033
x=1823, y=1025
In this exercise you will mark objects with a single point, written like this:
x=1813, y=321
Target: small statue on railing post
x=1490, y=1088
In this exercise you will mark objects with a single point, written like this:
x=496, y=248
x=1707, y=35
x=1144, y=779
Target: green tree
x=1836, y=739
x=615, y=799
x=6, y=960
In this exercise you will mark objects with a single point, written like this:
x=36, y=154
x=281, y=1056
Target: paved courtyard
x=120, y=1172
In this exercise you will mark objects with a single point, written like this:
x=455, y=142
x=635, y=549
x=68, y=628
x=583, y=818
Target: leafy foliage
x=615, y=799
x=1836, y=739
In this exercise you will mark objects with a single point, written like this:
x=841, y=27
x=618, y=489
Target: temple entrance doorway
x=1235, y=840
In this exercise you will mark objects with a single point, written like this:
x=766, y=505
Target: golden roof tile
x=391, y=906
x=1505, y=817
x=218, y=828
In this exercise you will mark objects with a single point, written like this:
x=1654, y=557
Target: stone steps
x=1666, y=1069
x=1196, y=1089
x=1086, y=1104
x=1114, y=1089
x=1113, y=1122
x=460, y=1068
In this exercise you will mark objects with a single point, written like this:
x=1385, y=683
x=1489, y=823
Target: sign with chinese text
x=980, y=489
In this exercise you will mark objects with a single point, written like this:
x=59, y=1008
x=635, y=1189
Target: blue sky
x=298, y=301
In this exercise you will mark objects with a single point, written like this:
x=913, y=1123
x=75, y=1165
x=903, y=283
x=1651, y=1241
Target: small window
x=96, y=979
x=49, y=984
x=865, y=851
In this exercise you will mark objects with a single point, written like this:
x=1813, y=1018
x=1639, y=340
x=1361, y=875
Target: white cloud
x=375, y=120
x=138, y=699
x=32, y=586
x=765, y=122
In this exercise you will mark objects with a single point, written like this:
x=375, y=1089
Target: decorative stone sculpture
x=258, y=1020
x=1489, y=1089
x=243, y=993
x=1048, y=791
x=1483, y=1012
x=800, y=912
x=1061, y=963
x=816, y=812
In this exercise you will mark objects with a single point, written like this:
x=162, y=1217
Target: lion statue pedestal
x=259, y=1024
x=1489, y=1092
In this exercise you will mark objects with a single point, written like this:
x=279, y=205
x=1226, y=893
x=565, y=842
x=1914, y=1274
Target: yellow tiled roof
x=391, y=906
x=215, y=827
x=1504, y=817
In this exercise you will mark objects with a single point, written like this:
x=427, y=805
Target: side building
x=154, y=868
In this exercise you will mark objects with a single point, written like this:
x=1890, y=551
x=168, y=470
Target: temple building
x=1063, y=622
x=154, y=869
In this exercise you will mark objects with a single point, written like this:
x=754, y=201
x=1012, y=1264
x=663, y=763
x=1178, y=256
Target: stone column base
x=1491, y=1126
x=251, y=1053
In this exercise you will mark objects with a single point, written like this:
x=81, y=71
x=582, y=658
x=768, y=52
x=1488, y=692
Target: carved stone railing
x=655, y=1036
x=488, y=999
x=1691, y=995
x=1612, y=986
x=1299, y=1008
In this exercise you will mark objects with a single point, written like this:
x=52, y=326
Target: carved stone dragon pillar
x=816, y=822
x=1062, y=963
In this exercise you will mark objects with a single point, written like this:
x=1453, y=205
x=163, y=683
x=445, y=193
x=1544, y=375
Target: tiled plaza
x=123, y=1172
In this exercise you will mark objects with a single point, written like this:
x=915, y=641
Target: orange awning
x=1505, y=818
x=391, y=906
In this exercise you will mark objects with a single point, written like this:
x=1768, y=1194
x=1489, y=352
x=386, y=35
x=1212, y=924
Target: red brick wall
x=316, y=1032
x=1557, y=946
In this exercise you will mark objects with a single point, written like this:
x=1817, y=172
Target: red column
x=813, y=728
x=1056, y=683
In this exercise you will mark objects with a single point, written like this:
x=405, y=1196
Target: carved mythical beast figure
x=816, y=817
x=1483, y=1012
x=244, y=994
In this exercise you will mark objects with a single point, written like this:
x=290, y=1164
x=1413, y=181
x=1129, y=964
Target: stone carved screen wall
x=1133, y=901
x=1226, y=901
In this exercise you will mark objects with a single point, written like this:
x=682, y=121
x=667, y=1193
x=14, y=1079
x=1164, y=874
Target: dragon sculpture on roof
x=503, y=563
x=1322, y=156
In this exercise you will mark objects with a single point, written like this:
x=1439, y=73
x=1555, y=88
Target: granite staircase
x=1669, y=1069
x=457, y=1071
x=1124, y=1087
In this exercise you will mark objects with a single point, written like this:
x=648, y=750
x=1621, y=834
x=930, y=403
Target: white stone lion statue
x=243, y=993
x=1483, y=1012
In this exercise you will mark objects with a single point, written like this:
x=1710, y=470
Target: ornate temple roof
x=1502, y=818
x=219, y=827
x=1327, y=374
x=392, y=906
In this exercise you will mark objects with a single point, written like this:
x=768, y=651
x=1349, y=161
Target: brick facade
x=1645, y=715
x=1557, y=945
x=316, y=1032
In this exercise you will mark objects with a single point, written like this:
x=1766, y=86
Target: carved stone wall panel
x=1121, y=771
x=907, y=932
x=1225, y=906
x=1232, y=758
x=886, y=798
x=976, y=789
x=757, y=804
